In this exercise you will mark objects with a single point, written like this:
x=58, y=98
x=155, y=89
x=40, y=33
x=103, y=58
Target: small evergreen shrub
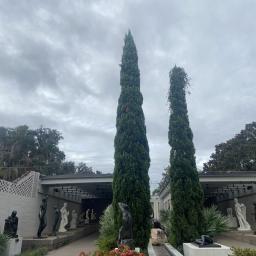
x=3, y=243
x=214, y=222
x=243, y=252
x=108, y=235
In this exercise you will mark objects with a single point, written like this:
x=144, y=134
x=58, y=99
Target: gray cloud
x=59, y=67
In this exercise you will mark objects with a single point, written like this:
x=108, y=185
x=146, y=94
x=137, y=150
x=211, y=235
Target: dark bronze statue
x=125, y=232
x=206, y=241
x=42, y=217
x=11, y=225
x=56, y=223
x=156, y=224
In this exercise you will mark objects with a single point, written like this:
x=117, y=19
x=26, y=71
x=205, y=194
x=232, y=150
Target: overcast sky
x=59, y=67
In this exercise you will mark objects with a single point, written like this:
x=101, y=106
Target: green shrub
x=243, y=252
x=165, y=220
x=108, y=237
x=214, y=222
x=3, y=243
x=165, y=216
x=36, y=252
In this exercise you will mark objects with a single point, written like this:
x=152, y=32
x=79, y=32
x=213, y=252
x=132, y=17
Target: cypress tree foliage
x=131, y=180
x=186, y=192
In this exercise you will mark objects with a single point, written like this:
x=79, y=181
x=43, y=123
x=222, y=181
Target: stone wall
x=27, y=211
x=26, y=208
x=25, y=196
x=248, y=200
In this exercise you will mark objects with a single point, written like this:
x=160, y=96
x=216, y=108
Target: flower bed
x=123, y=250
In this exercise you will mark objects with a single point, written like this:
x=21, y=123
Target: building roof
x=228, y=174
x=76, y=176
x=98, y=185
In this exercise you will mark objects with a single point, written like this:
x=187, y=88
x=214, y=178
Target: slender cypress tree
x=186, y=192
x=131, y=180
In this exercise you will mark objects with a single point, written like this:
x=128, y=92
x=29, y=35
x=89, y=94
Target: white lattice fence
x=27, y=186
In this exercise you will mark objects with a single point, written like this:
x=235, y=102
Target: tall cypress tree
x=186, y=192
x=131, y=180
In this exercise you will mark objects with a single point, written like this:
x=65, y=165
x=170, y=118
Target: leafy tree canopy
x=23, y=149
x=236, y=154
x=83, y=168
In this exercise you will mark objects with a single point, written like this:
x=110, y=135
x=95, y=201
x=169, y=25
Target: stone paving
x=233, y=243
x=161, y=251
x=86, y=244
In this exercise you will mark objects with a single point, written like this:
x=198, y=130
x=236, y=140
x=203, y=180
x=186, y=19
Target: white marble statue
x=87, y=216
x=241, y=216
x=64, y=218
x=73, y=221
x=93, y=215
x=232, y=221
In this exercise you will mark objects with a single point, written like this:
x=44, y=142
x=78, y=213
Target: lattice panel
x=4, y=186
x=27, y=186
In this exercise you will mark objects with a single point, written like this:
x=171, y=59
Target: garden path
x=160, y=251
x=86, y=244
x=233, y=243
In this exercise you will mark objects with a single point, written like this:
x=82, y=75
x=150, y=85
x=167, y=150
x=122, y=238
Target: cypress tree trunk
x=131, y=180
x=186, y=192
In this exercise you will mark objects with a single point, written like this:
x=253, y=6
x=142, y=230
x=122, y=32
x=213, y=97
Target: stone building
x=220, y=188
x=25, y=195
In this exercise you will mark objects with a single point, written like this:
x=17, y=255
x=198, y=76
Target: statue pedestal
x=244, y=229
x=232, y=222
x=13, y=247
x=192, y=250
x=158, y=236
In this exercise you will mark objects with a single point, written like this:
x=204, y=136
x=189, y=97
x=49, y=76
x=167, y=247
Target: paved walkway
x=233, y=243
x=86, y=244
x=160, y=251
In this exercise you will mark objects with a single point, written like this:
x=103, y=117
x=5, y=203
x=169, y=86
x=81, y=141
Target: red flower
x=123, y=250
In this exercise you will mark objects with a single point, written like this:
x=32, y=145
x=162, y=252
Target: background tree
x=82, y=168
x=131, y=180
x=47, y=154
x=16, y=145
x=236, y=154
x=67, y=167
x=23, y=149
x=187, y=195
